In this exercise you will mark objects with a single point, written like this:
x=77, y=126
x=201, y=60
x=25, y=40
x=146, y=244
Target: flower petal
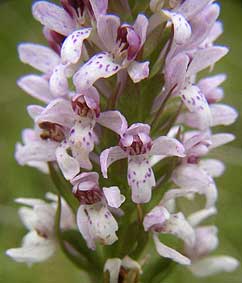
x=206, y=57
x=140, y=27
x=177, y=225
x=167, y=252
x=83, y=222
x=191, y=7
x=221, y=139
x=199, y=216
x=214, y=167
x=109, y=156
x=206, y=242
x=182, y=29
x=101, y=65
x=58, y=111
x=140, y=178
x=138, y=71
x=113, y=120
x=36, y=86
x=58, y=81
x=34, y=249
x=213, y=265
x=223, y=114
x=107, y=28
x=113, y=196
x=72, y=46
x=39, y=57
x=54, y=17
x=99, y=7
x=156, y=218
x=195, y=101
x=167, y=146
x=69, y=166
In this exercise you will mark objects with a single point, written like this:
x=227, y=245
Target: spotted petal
x=195, y=101
x=182, y=29
x=58, y=81
x=72, y=46
x=140, y=178
x=101, y=65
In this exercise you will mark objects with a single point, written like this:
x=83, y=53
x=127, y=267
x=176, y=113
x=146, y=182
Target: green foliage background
x=17, y=25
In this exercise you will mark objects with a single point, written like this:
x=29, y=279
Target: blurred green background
x=17, y=25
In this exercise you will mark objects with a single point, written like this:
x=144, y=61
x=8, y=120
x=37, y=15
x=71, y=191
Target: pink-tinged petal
x=41, y=166
x=156, y=218
x=212, y=265
x=215, y=168
x=107, y=28
x=167, y=252
x=140, y=27
x=91, y=97
x=214, y=34
x=99, y=7
x=175, y=71
x=85, y=181
x=138, y=71
x=199, y=216
x=113, y=120
x=167, y=146
x=83, y=223
x=223, y=114
x=221, y=139
x=36, y=86
x=54, y=17
x=58, y=111
x=113, y=265
x=206, y=57
x=58, y=81
x=34, y=110
x=190, y=176
x=140, y=178
x=190, y=8
x=39, y=57
x=101, y=65
x=69, y=166
x=35, y=151
x=201, y=27
x=208, y=84
x=195, y=101
x=29, y=202
x=138, y=128
x=206, y=242
x=113, y=196
x=109, y=156
x=34, y=249
x=182, y=29
x=72, y=46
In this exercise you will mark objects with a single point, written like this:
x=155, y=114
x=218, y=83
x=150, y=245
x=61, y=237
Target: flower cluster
x=123, y=90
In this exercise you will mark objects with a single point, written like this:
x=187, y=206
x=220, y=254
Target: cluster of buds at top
x=83, y=130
